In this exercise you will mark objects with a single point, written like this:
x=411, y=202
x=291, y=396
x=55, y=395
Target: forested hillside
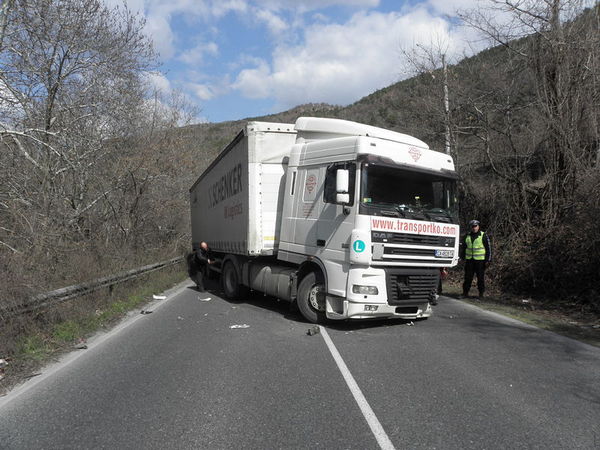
x=95, y=176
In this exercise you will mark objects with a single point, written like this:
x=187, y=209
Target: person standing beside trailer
x=199, y=260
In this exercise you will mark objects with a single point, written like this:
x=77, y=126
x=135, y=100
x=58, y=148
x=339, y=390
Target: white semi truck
x=347, y=220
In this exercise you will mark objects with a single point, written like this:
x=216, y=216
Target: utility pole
x=446, y=103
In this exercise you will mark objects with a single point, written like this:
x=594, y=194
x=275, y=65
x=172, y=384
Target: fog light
x=371, y=307
x=365, y=290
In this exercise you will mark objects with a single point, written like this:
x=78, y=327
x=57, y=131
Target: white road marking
x=382, y=438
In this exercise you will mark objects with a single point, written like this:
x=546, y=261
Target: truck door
x=336, y=221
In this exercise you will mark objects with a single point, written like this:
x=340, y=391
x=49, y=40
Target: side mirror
x=342, y=181
x=342, y=185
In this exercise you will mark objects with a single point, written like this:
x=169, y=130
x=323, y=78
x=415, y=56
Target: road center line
x=382, y=438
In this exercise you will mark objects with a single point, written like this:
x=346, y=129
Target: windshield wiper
x=386, y=209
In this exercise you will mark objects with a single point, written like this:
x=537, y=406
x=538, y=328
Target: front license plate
x=444, y=253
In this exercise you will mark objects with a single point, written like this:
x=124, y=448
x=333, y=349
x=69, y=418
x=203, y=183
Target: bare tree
x=71, y=81
x=532, y=128
x=561, y=52
x=432, y=59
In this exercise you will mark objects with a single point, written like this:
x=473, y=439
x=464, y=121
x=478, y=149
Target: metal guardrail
x=66, y=293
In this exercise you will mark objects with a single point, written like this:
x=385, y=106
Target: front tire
x=311, y=298
x=232, y=288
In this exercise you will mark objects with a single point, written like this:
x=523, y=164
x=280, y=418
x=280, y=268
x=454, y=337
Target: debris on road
x=525, y=300
x=81, y=345
x=146, y=311
x=179, y=318
x=313, y=330
x=410, y=324
x=240, y=326
x=207, y=299
x=159, y=297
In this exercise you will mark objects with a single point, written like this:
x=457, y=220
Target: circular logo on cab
x=311, y=182
x=359, y=246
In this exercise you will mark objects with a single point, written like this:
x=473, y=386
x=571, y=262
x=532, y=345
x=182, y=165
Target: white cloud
x=195, y=56
x=274, y=23
x=255, y=82
x=202, y=91
x=221, y=8
x=206, y=88
x=158, y=81
x=163, y=38
x=341, y=63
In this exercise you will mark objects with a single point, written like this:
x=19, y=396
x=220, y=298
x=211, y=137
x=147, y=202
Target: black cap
x=472, y=223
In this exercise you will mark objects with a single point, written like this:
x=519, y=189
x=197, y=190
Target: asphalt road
x=182, y=378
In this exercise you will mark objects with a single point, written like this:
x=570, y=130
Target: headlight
x=365, y=290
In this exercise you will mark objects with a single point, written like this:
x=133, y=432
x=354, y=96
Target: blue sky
x=243, y=58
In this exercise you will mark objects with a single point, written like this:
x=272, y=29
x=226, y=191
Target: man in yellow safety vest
x=476, y=250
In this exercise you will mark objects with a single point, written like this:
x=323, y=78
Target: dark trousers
x=196, y=270
x=200, y=278
x=472, y=268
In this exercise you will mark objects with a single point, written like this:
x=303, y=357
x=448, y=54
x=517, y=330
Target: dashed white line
x=382, y=438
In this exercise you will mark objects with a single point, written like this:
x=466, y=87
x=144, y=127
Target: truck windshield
x=398, y=192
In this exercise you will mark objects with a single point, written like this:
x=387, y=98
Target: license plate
x=444, y=253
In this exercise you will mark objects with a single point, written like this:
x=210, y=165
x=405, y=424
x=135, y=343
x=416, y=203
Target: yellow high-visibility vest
x=475, y=248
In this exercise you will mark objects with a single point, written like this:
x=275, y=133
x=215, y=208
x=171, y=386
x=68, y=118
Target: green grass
x=67, y=331
x=33, y=348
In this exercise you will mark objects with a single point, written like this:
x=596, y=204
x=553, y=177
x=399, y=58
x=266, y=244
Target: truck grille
x=410, y=285
x=412, y=239
x=409, y=251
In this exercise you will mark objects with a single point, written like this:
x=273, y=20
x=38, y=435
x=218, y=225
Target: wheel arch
x=312, y=265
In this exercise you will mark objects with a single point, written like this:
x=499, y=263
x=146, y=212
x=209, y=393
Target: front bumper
x=402, y=293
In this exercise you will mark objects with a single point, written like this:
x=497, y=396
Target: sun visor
x=313, y=128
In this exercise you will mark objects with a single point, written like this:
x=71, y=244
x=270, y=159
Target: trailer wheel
x=311, y=298
x=231, y=284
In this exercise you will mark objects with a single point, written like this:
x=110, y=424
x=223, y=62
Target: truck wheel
x=231, y=284
x=311, y=298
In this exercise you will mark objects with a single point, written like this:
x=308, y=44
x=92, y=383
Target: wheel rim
x=316, y=298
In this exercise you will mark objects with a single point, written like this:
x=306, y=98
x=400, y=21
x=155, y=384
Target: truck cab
x=370, y=216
